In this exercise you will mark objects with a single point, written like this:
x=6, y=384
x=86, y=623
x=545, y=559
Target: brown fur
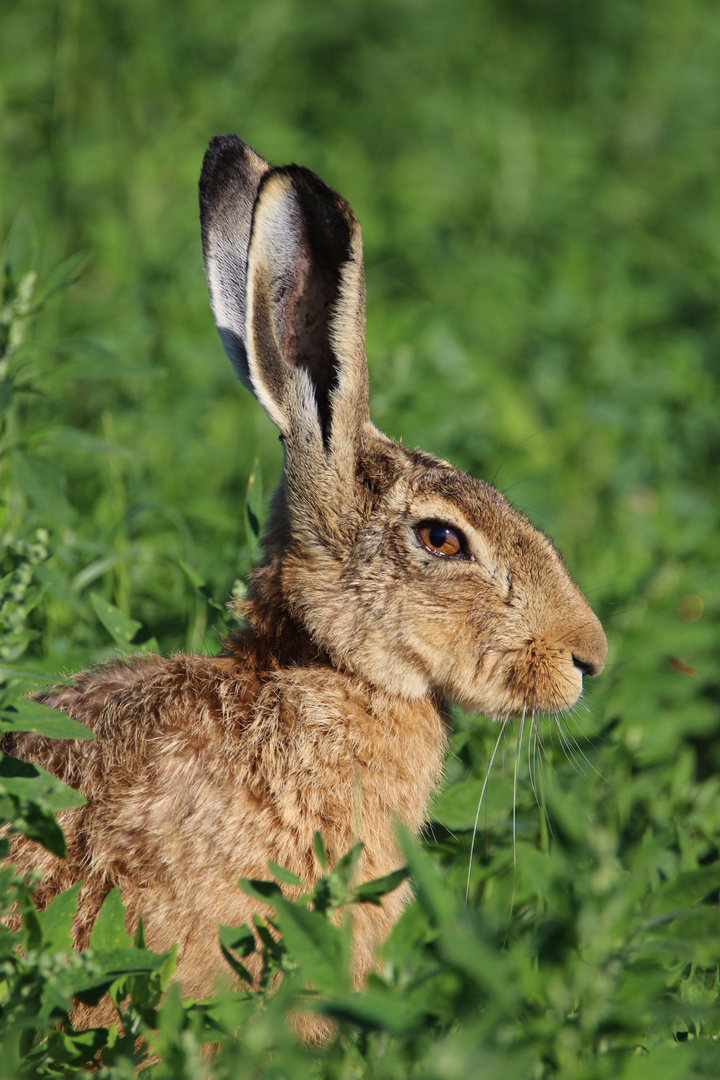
x=327, y=713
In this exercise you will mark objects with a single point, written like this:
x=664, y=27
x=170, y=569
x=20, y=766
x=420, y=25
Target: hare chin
x=523, y=686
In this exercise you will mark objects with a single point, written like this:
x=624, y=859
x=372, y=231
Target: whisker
x=518, y=750
x=572, y=740
x=567, y=748
x=482, y=796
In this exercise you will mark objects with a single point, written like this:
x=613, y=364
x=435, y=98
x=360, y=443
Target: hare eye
x=440, y=538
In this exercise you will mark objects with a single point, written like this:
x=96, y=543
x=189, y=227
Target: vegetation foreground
x=542, y=234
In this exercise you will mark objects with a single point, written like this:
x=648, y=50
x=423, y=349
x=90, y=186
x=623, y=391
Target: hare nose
x=589, y=647
x=588, y=667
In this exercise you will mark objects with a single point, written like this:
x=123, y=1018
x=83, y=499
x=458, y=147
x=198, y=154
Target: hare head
x=403, y=570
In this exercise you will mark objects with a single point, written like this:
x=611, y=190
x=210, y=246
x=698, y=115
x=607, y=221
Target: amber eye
x=440, y=538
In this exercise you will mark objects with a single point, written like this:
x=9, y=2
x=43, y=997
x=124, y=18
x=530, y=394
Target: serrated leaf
x=109, y=933
x=43, y=720
x=120, y=628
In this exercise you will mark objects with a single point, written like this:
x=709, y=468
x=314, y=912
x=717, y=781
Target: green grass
x=537, y=186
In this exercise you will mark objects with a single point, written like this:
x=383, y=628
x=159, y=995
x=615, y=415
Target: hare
x=391, y=583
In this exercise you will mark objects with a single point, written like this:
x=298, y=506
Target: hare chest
x=201, y=772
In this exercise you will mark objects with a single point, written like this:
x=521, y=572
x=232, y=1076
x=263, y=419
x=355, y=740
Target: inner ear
x=305, y=280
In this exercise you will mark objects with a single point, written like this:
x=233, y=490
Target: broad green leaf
x=90, y=986
x=109, y=933
x=457, y=807
x=373, y=1011
x=120, y=628
x=321, y=948
x=28, y=781
x=43, y=720
x=56, y=920
x=74, y=1048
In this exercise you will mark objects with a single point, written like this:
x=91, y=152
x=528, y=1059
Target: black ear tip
x=229, y=163
x=222, y=152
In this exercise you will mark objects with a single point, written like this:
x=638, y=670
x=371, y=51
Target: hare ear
x=229, y=183
x=294, y=325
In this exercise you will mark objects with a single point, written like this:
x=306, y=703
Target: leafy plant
x=537, y=189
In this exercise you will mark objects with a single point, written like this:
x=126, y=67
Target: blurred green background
x=537, y=182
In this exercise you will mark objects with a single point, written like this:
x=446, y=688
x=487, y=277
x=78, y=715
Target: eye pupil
x=440, y=538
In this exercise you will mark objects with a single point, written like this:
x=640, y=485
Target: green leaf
x=79, y=442
x=120, y=628
x=322, y=949
x=109, y=933
x=456, y=808
x=57, y=918
x=239, y=939
x=28, y=781
x=41, y=482
x=267, y=891
x=254, y=505
x=73, y=1048
x=373, y=1011
x=20, y=252
x=432, y=894
x=371, y=892
x=33, y=820
x=687, y=889
x=286, y=876
x=43, y=720
x=320, y=852
x=63, y=276
x=90, y=985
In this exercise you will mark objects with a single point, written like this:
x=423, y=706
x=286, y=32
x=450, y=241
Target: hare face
x=445, y=588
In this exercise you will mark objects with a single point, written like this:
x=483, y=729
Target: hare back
x=202, y=769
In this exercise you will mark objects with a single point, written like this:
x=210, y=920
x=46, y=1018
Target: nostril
x=586, y=666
